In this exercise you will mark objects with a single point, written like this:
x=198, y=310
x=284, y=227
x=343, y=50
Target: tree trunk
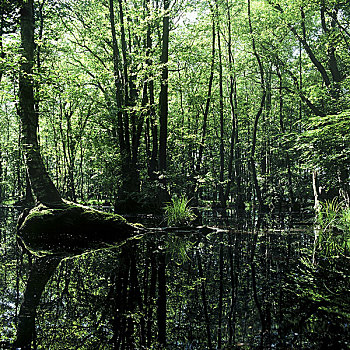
x=207, y=104
x=258, y=114
x=43, y=188
x=233, y=162
x=2, y=53
x=302, y=39
x=282, y=127
x=163, y=105
x=221, y=288
x=163, y=99
x=222, y=198
x=151, y=125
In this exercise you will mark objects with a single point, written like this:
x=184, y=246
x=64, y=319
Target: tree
x=52, y=219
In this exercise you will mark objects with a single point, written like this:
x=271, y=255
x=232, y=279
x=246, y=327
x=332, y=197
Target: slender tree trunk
x=221, y=288
x=1, y=177
x=234, y=151
x=151, y=125
x=2, y=53
x=117, y=79
x=283, y=130
x=163, y=104
x=127, y=151
x=222, y=198
x=125, y=94
x=207, y=104
x=258, y=114
x=332, y=61
x=306, y=46
x=163, y=99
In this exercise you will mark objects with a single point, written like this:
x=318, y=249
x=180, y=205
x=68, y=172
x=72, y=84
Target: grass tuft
x=334, y=234
x=178, y=212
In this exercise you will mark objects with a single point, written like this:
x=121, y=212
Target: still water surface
x=243, y=286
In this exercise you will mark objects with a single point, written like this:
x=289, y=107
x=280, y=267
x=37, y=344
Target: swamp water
x=232, y=288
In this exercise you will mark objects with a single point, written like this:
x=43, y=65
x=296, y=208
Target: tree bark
x=233, y=162
x=258, y=114
x=43, y=188
x=151, y=125
x=221, y=288
x=207, y=104
x=163, y=98
x=222, y=198
x=332, y=61
x=163, y=107
x=2, y=53
x=282, y=127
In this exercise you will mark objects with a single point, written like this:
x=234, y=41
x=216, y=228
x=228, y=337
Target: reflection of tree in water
x=109, y=298
x=54, y=228
x=41, y=271
x=234, y=287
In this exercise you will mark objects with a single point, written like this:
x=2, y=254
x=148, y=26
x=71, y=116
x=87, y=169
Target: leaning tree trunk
x=54, y=228
x=43, y=188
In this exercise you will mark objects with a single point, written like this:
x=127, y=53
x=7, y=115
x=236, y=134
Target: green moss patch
x=72, y=229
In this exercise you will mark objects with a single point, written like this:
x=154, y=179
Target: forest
x=174, y=174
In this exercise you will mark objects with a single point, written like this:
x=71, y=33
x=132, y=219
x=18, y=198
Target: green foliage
x=178, y=213
x=334, y=235
x=326, y=141
x=178, y=248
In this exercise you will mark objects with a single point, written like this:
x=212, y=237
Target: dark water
x=247, y=285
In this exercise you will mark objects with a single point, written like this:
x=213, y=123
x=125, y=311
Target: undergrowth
x=334, y=234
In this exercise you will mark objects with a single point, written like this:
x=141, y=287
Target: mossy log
x=71, y=229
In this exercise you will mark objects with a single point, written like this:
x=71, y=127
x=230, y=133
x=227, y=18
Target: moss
x=72, y=229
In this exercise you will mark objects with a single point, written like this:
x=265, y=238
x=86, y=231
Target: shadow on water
x=250, y=284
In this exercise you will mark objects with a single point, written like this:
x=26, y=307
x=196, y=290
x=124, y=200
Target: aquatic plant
x=178, y=212
x=334, y=233
x=178, y=248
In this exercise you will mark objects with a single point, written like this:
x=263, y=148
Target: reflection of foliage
x=321, y=286
x=178, y=248
x=319, y=294
x=178, y=212
x=334, y=234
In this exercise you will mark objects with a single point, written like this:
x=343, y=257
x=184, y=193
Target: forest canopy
x=230, y=102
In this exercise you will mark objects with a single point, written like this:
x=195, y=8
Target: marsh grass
x=334, y=234
x=178, y=212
